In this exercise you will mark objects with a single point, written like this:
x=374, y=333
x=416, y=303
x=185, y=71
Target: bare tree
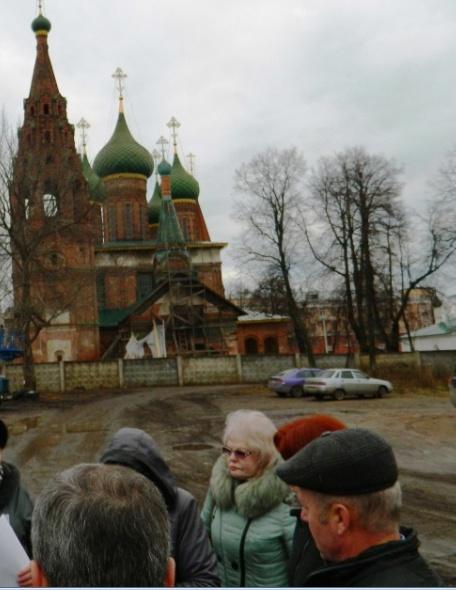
x=363, y=235
x=31, y=242
x=272, y=188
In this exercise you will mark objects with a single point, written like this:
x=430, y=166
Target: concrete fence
x=68, y=376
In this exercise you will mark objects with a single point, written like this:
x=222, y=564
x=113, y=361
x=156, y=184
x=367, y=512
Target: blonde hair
x=256, y=430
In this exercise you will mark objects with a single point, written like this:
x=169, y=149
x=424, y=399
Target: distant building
x=441, y=336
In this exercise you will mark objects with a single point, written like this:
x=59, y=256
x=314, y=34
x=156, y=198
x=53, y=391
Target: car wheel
x=281, y=393
x=296, y=391
x=339, y=394
x=382, y=391
x=360, y=395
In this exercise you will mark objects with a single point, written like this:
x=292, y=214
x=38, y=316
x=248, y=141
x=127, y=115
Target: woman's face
x=243, y=464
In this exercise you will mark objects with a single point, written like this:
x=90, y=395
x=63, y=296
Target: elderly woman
x=289, y=439
x=249, y=523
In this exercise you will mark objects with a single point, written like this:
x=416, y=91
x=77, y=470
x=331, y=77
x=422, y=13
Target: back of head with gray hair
x=255, y=429
x=375, y=512
x=101, y=525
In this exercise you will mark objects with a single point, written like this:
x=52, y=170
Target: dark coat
x=394, y=564
x=17, y=504
x=196, y=564
x=305, y=557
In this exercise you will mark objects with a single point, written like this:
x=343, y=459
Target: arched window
x=270, y=345
x=50, y=205
x=128, y=221
x=46, y=109
x=251, y=346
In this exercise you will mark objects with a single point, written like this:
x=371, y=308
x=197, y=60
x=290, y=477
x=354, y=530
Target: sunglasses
x=238, y=453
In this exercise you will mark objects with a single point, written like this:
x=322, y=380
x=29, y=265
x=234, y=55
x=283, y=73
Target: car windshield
x=327, y=373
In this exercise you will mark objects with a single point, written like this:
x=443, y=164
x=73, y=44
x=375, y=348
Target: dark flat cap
x=344, y=462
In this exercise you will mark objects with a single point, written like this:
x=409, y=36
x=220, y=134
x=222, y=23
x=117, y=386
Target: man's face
x=319, y=523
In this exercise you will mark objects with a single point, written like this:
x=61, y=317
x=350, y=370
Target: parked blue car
x=291, y=381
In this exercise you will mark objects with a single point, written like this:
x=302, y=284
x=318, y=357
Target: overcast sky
x=242, y=75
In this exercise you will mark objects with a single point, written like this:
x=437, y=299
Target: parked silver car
x=340, y=383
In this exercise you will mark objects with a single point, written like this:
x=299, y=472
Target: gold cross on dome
x=120, y=76
x=162, y=142
x=174, y=125
x=191, y=161
x=83, y=125
x=40, y=6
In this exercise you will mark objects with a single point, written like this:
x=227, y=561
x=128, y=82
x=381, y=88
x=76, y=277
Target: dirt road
x=52, y=434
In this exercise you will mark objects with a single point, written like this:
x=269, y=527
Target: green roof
x=110, y=318
x=183, y=185
x=97, y=188
x=164, y=168
x=41, y=23
x=155, y=204
x=123, y=154
x=169, y=234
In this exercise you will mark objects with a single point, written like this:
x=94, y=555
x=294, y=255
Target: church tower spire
x=43, y=79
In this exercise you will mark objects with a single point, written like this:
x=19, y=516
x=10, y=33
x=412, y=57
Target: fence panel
x=91, y=375
x=214, y=369
x=260, y=368
x=145, y=372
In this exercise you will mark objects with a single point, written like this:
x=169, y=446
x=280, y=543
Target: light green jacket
x=250, y=528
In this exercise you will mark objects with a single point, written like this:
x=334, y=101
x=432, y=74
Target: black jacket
x=394, y=564
x=305, y=557
x=196, y=564
x=16, y=503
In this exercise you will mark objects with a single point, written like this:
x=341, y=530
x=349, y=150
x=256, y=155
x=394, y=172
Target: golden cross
x=191, y=161
x=119, y=76
x=83, y=125
x=162, y=142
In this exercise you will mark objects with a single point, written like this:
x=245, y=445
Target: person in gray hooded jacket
x=196, y=564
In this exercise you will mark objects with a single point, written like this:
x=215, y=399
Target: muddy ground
x=52, y=434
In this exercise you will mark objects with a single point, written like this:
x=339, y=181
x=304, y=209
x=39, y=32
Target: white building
x=440, y=336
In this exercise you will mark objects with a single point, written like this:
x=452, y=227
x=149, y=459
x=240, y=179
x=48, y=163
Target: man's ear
x=38, y=578
x=170, y=576
x=340, y=518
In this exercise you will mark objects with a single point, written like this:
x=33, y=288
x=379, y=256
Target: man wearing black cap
x=346, y=484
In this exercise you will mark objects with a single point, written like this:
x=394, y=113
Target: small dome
x=97, y=188
x=123, y=154
x=155, y=204
x=164, y=168
x=41, y=23
x=183, y=184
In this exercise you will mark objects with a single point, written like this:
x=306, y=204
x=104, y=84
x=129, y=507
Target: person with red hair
x=289, y=439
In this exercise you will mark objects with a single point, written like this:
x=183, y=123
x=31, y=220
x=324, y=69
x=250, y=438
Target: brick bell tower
x=51, y=208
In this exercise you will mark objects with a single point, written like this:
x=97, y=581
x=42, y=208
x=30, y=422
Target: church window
x=128, y=221
x=112, y=224
x=27, y=207
x=144, y=285
x=32, y=111
x=270, y=345
x=47, y=137
x=185, y=229
x=50, y=205
x=46, y=109
x=251, y=346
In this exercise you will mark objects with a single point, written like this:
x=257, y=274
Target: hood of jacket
x=134, y=448
x=251, y=498
x=9, y=482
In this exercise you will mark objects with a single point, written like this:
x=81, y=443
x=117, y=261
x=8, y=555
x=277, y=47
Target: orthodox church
x=109, y=265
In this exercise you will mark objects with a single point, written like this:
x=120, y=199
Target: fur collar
x=251, y=498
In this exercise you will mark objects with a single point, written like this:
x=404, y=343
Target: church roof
x=155, y=204
x=123, y=154
x=183, y=184
x=97, y=188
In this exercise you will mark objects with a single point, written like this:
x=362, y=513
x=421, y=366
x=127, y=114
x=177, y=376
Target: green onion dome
x=155, y=204
x=123, y=154
x=164, y=168
x=183, y=184
x=97, y=188
x=41, y=23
